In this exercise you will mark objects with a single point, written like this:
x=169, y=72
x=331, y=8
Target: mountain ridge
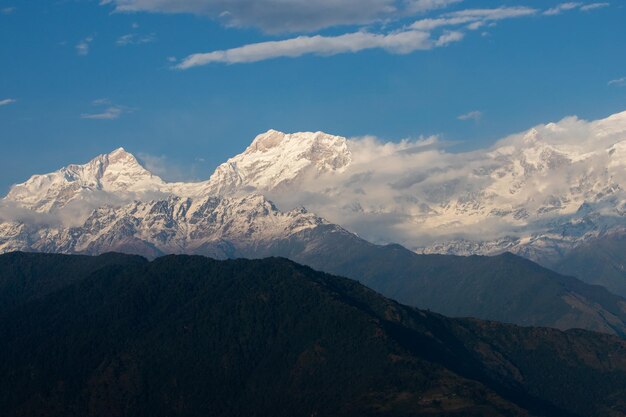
x=239, y=337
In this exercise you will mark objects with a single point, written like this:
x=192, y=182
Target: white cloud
x=619, y=82
x=402, y=42
x=109, y=111
x=473, y=115
x=562, y=8
x=135, y=39
x=7, y=101
x=499, y=13
x=275, y=16
x=100, y=101
x=7, y=10
x=431, y=24
x=82, y=47
x=594, y=6
x=474, y=17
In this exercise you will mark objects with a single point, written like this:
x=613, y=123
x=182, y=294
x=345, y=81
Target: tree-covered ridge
x=191, y=336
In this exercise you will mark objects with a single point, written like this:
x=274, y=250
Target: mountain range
x=541, y=194
x=116, y=335
x=113, y=203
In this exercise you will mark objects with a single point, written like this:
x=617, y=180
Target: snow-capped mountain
x=277, y=160
x=273, y=160
x=215, y=226
x=539, y=193
x=116, y=174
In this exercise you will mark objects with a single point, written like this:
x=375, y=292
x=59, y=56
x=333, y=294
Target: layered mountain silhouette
x=113, y=203
x=117, y=335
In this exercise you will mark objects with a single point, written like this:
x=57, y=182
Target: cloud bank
x=415, y=192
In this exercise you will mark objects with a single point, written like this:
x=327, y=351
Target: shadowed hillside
x=190, y=336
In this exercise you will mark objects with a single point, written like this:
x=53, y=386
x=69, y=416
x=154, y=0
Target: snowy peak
x=116, y=172
x=266, y=141
x=275, y=159
x=122, y=172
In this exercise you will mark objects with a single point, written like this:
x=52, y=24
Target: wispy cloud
x=100, y=102
x=276, y=16
x=475, y=115
x=499, y=13
x=135, y=39
x=82, y=47
x=594, y=6
x=474, y=17
x=562, y=8
x=108, y=111
x=619, y=82
x=398, y=42
x=7, y=10
x=7, y=101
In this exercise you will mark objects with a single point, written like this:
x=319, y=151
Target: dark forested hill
x=190, y=336
x=505, y=288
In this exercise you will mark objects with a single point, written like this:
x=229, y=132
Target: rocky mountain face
x=185, y=336
x=213, y=226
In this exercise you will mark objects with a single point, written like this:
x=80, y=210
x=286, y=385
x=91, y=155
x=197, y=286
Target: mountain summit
x=275, y=159
x=116, y=172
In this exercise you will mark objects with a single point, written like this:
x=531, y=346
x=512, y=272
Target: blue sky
x=177, y=82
